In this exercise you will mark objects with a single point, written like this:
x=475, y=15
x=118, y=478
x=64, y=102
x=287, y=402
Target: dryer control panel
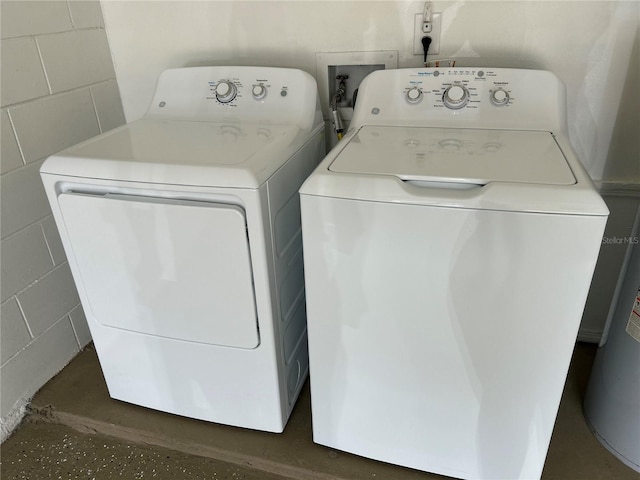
x=280, y=96
x=232, y=91
x=462, y=97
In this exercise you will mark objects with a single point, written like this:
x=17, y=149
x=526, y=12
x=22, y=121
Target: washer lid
x=177, y=152
x=462, y=156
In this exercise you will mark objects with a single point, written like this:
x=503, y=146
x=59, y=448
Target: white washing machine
x=449, y=242
x=182, y=231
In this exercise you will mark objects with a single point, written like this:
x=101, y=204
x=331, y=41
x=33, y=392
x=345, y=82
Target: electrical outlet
x=436, y=22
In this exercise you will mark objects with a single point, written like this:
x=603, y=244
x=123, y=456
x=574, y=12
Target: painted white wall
x=586, y=43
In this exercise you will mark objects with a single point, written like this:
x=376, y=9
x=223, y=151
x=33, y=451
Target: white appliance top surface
x=468, y=137
x=469, y=156
x=182, y=152
x=220, y=126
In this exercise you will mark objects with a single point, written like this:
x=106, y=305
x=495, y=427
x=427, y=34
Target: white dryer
x=182, y=231
x=449, y=243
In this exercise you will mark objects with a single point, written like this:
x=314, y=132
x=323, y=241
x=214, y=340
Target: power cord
x=426, y=41
x=442, y=62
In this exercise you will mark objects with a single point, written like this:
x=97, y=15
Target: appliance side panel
x=440, y=338
x=286, y=242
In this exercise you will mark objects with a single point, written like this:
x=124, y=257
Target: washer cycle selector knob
x=258, y=91
x=499, y=97
x=226, y=91
x=414, y=95
x=455, y=97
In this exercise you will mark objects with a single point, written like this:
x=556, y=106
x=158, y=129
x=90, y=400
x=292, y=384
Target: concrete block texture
x=14, y=335
x=58, y=89
x=77, y=58
x=22, y=74
x=25, y=259
x=22, y=199
x=86, y=14
x=106, y=98
x=54, y=123
x=80, y=326
x=10, y=156
x=24, y=374
x=19, y=18
x=53, y=240
x=49, y=299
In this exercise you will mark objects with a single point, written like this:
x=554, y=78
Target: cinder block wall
x=58, y=88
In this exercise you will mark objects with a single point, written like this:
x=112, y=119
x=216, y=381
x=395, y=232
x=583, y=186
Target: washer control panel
x=457, y=89
x=464, y=97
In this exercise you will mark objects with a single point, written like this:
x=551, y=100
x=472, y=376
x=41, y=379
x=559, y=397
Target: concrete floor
x=75, y=430
x=42, y=450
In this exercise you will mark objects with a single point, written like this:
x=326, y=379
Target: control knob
x=455, y=97
x=499, y=97
x=414, y=95
x=226, y=91
x=259, y=91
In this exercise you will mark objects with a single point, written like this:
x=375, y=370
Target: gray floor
x=52, y=451
x=76, y=431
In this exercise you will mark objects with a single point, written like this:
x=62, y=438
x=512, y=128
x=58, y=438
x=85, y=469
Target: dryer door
x=172, y=268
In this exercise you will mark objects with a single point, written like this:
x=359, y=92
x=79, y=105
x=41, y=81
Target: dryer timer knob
x=226, y=91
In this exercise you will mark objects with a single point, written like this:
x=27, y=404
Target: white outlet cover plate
x=434, y=48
